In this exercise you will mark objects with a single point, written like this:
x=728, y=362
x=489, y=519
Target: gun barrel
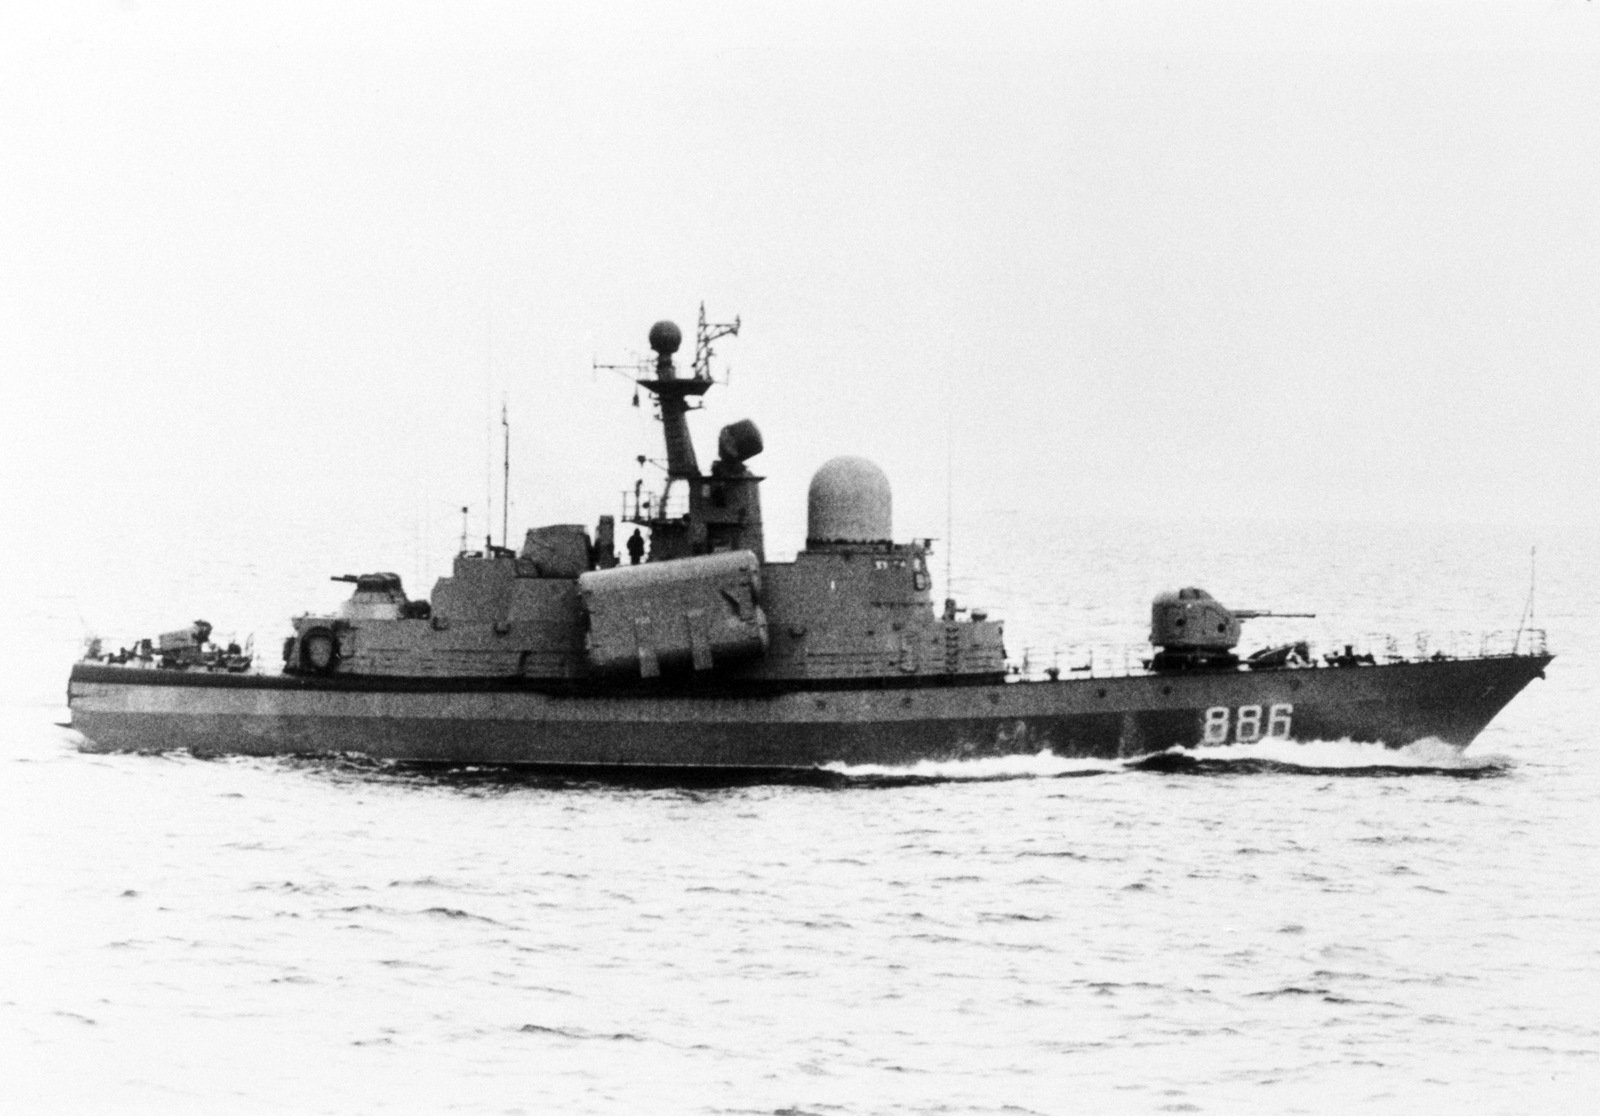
x=1252, y=614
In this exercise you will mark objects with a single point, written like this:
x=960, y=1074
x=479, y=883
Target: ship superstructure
x=701, y=603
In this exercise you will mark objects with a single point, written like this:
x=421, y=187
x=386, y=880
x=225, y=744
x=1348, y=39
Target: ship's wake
x=1283, y=757
x=986, y=769
x=1342, y=758
x=1326, y=757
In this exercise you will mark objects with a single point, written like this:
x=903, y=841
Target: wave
x=1041, y=765
x=1270, y=756
x=1311, y=757
x=1326, y=757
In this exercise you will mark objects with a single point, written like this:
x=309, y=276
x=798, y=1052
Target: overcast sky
x=281, y=262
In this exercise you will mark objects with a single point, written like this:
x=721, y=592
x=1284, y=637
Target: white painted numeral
x=1247, y=730
x=1247, y=727
x=1278, y=721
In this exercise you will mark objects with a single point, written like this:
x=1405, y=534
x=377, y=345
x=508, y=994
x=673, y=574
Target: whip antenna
x=949, y=505
x=1527, y=609
x=505, y=476
x=488, y=430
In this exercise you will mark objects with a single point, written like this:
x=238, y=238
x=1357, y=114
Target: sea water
x=1280, y=927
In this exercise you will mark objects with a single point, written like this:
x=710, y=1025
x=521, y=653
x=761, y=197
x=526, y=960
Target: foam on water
x=1042, y=765
x=1267, y=756
x=1429, y=754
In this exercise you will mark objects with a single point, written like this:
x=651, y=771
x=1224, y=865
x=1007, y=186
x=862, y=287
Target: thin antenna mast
x=949, y=505
x=505, y=477
x=488, y=432
x=1527, y=609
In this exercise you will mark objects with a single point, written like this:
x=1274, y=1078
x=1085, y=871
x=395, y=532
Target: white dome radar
x=849, y=502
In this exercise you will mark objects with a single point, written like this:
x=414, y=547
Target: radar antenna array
x=705, y=333
x=673, y=398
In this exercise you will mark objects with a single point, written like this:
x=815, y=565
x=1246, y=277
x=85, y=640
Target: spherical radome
x=665, y=337
x=849, y=501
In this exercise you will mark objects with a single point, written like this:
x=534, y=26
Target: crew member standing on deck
x=635, y=547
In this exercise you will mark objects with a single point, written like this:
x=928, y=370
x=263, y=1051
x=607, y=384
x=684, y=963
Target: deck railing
x=1118, y=660
x=640, y=506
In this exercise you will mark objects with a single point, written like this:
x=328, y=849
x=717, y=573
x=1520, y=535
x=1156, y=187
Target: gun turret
x=378, y=596
x=1192, y=629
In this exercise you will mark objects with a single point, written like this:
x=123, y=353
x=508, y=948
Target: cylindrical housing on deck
x=698, y=612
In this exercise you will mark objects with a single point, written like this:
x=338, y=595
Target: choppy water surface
x=1278, y=927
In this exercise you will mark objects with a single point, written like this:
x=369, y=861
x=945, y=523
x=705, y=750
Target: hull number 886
x=1246, y=724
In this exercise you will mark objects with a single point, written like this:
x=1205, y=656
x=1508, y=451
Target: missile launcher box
x=699, y=613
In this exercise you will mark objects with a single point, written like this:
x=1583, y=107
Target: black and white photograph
x=800, y=559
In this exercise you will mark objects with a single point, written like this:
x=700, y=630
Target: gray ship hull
x=784, y=727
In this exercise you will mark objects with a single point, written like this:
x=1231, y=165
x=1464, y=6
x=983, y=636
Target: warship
x=692, y=650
